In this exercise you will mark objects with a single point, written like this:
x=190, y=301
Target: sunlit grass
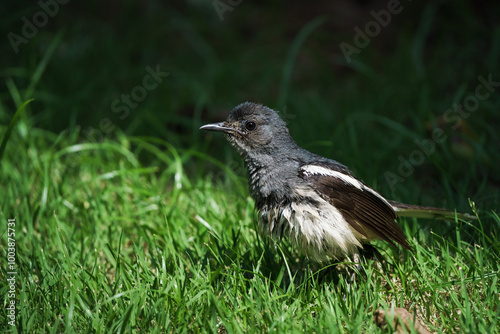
x=107, y=244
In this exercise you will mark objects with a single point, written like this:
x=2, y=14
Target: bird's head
x=254, y=129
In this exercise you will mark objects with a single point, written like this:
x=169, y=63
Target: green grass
x=107, y=244
x=150, y=227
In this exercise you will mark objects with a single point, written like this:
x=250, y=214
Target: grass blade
x=11, y=126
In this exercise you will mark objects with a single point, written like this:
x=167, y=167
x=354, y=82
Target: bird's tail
x=408, y=210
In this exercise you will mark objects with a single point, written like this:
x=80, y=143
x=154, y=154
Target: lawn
x=127, y=219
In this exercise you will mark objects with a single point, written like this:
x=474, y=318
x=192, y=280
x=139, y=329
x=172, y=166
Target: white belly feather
x=319, y=230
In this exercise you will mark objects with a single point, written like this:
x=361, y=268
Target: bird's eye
x=250, y=126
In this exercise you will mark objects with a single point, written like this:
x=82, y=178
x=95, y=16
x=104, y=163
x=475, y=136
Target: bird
x=315, y=202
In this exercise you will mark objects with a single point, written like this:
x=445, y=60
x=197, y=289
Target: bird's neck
x=270, y=176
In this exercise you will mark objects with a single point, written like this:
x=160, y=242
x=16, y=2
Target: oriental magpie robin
x=314, y=201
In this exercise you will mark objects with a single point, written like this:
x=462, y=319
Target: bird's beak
x=219, y=127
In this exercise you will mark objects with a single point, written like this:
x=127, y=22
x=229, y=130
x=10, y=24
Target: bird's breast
x=310, y=222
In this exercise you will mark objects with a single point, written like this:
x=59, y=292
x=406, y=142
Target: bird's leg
x=368, y=252
x=351, y=273
x=357, y=261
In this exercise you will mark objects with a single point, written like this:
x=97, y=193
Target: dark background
x=284, y=54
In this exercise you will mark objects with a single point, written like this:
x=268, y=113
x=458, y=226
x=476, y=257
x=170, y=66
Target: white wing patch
x=319, y=170
x=312, y=170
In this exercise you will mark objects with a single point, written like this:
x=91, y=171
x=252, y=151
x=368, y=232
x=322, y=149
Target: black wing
x=363, y=208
